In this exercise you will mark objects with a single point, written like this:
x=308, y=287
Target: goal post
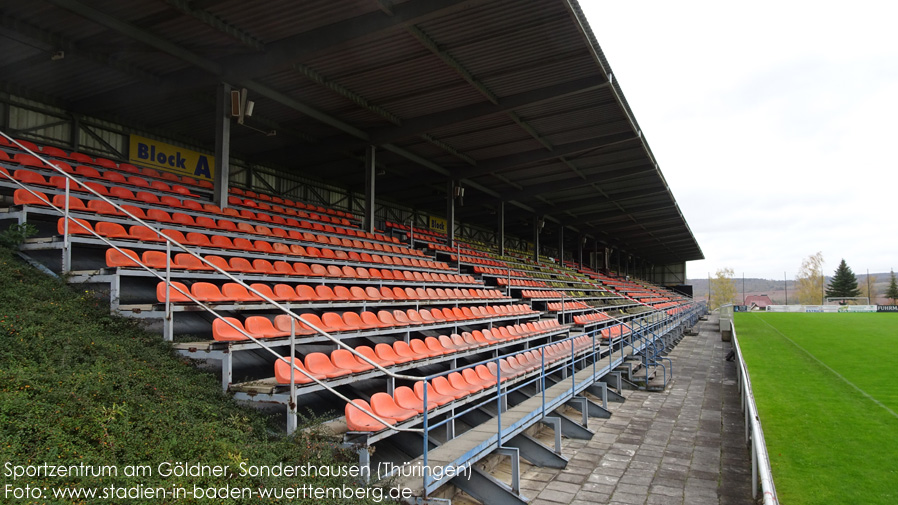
x=847, y=300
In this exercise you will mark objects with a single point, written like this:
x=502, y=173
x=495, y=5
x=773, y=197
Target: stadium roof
x=513, y=98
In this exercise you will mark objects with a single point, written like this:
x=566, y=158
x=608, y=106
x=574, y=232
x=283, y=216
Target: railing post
x=169, y=330
x=542, y=379
x=426, y=438
x=66, y=246
x=291, y=414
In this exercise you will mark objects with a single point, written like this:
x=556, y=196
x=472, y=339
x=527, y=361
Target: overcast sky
x=773, y=122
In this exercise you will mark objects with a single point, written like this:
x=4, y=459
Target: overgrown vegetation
x=80, y=386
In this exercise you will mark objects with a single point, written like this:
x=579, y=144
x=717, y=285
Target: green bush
x=79, y=385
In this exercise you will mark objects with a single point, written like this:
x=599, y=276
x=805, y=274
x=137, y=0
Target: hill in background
x=774, y=288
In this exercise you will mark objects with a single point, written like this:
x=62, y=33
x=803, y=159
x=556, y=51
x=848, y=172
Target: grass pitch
x=827, y=395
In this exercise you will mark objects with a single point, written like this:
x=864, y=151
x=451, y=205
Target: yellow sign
x=162, y=156
x=438, y=225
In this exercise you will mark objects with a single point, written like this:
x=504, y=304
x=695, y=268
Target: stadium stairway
x=440, y=357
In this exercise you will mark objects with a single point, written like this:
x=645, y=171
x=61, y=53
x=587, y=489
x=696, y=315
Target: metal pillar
x=450, y=213
x=501, y=228
x=222, y=146
x=561, y=245
x=370, y=169
x=536, y=222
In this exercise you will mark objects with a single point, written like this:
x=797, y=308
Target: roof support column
x=595, y=262
x=450, y=213
x=581, y=243
x=222, y=146
x=368, y=217
x=537, y=226
x=561, y=245
x=501, y=228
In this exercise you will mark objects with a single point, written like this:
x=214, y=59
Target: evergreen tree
x=843, y=283
x=892, y=292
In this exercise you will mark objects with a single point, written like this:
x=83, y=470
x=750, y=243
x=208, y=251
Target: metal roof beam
x=490, y=166
x=422, y=124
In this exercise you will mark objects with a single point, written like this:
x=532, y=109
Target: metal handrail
x=761, y=471
x=167, y=280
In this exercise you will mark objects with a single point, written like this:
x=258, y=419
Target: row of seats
x=127, y=258
x=538, y=293
x=464, y=251
x=502, y=281
x=142, y=233
x=232, y=292
x=503, y=272
x=289, y=203
x=614, y=332
x=567, y=305
x=77, y=157
x=342, y=362
x=262, y=327
x=474, y=260
x=59, y=182
x=306, y=222
x=407, y=403
x=591, y=318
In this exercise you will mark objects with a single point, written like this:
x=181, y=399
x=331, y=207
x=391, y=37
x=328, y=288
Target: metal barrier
x=760, y=462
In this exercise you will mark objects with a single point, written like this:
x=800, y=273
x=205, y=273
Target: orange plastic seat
x=261, y=327
x=103, y=208
x=112, y=230
x=442, y=386
x=207, y=292
x=384, y=406
x=265, y=290
x=359, y=420
x=223, y=332
x=125, y=258
x=420, y=348
x=282, y=370
x=333, y=322
x=406, y=398
x=74, y=202
x=433, y=396
x=320, y=363
x=344, y=359
x=176, y=294
x=76, y=226
x=190, y=262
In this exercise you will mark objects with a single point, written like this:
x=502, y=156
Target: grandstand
x=370, y=237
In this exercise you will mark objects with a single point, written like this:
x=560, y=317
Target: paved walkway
x=681, y=446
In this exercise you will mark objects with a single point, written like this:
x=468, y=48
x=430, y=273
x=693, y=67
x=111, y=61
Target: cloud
x=772, y=123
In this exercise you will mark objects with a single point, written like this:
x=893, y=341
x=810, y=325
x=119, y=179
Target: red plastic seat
x=223, y=332
x=75, y=203
x=320, y=363
x=344, y=359
x=112, y=230
x=126, y=258
x=207, y=292
x=384, y=406
x=282, y=370
x=76, y=226
x=433, y=396
x=406, y=398
x=103, y=208
x=370, y=353
x=176, y=294
x=359, y=420
x=442, y=386
x=261, y=327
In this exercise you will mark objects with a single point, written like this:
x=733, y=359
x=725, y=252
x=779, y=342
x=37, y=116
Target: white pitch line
x=837, y=374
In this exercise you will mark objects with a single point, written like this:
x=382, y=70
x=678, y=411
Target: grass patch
x=828, y=442
x=80, y=386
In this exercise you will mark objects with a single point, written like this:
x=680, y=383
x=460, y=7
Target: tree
x=843, y=283
x=868, y=288
x=809, y=281
x=892, y=292
x=723, y=288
